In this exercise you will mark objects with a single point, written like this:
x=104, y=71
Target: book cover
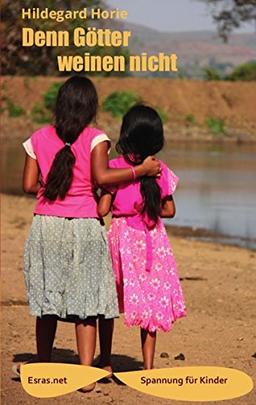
x=192, y=63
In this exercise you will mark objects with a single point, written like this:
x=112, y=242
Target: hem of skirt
x=70, y=317
x=66, y=215
x=151, y=327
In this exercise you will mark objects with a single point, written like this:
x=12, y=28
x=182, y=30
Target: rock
x=164, y=355
x=254, y=355
x=180, y=357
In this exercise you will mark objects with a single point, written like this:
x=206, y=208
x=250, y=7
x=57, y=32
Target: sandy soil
x=232, y=102
x=219, y=287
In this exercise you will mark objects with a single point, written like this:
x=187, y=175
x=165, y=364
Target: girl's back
x=147, y=282
x=128, y=197
x=79, y=201
x=67, y=266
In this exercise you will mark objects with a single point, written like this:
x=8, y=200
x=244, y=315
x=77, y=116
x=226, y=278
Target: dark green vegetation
x=18, y=60
x=190, y=119
x=215, y=125
x=119, y=102
x=244, y=72
x=14, y=110
x=42, y=112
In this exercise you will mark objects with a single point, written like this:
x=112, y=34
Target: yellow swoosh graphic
x=190, y=383
x=45, y=380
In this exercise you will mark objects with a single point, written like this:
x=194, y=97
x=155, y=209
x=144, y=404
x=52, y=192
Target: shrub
x=245, y=72
x=51, y=95
x=163, y=115
x=190, y=119
x=40, y=115
x=211, y=73
x=14, y=110
x=215, y=125
x=119, y=102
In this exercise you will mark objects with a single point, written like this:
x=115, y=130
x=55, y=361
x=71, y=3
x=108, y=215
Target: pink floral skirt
x=150, y=299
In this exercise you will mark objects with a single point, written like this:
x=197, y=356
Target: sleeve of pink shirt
x=30, y=144
x=27, y=145
x=101, y=137
x=168, y=181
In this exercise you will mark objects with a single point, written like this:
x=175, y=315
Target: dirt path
x=219, y=287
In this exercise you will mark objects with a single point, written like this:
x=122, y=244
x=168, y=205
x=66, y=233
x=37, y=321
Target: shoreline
x=179, y=134
x=199, y=234
x=207, y=235
x=178, y=141
x=218, y=284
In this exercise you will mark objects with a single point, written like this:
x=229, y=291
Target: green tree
x=211, y=73
x=231, y=14
x=42, y=60
x=244, y=72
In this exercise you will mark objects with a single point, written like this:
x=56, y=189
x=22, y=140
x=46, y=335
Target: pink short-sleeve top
x=128, y=196
x=80, y=201
x=128, y=201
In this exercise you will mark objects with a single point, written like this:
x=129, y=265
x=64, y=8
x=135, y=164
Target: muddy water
x=217, y=189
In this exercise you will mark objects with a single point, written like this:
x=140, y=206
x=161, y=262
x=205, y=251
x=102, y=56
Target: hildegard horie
x=35, y=13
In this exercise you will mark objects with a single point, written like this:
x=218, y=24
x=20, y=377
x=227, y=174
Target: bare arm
x=168, y=208
x=104, y=204
x=31, y=173
x=103, y=175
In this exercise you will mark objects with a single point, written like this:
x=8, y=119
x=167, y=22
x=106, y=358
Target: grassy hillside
x=195, y=110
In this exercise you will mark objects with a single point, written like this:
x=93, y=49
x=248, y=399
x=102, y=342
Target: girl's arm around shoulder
x=103, y=175
x=168, y=209
x=31, y=173
x=104, y=203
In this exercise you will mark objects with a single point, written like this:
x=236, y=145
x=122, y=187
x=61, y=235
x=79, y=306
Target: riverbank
x=218, y=283
x=188, y=105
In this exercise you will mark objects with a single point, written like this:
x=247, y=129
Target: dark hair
x=76, y=107
x=142, y=136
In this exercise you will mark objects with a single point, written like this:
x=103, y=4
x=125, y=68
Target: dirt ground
x=233, y=102
x=219, y=330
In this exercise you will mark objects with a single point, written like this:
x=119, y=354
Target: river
x=217, y=189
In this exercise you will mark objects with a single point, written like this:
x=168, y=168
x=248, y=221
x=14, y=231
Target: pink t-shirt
x=128, y=196
x=80, y=200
